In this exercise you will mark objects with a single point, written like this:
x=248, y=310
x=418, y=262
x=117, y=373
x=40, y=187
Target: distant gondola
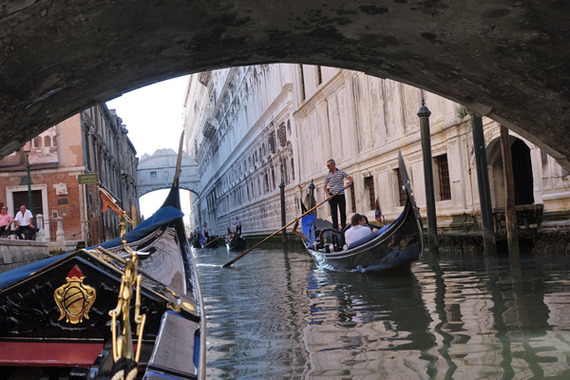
x=195, y=242
x=395, y=245
x=235, y=242
x=209, y=242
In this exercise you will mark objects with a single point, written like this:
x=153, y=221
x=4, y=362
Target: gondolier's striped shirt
x=335, y=181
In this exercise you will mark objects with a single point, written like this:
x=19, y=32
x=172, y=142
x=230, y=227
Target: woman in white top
x=358, y=229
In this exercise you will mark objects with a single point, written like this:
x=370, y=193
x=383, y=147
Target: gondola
x=235, y=242
x=195, y=242
x=395, y=245
x=209, y=242
x=78, y=315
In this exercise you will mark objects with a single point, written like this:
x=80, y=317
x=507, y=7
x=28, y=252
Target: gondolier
x=334, y=191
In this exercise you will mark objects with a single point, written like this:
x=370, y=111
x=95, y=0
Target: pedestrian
x=5, y=222
x=24, y=223
x=334, y=191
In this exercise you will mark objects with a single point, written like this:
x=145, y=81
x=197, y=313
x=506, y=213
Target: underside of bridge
x=507, y=60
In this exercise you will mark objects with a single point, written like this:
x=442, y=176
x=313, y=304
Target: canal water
x=275, y=315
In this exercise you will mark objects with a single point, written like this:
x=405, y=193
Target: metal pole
x=424, y=114
x=283, y=219
x=489, y=241
x=30, y=200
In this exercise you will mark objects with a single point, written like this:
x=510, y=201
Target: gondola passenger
x=358, y=229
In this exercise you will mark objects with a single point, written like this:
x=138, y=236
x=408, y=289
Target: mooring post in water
x=489, y=242
x=510, y=207
x=283, y=216
x=424, y=114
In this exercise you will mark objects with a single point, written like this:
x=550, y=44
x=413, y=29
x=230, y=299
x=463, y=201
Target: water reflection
x=491, y=318
x=448, y=318
x=273, y=315
x=367, y=326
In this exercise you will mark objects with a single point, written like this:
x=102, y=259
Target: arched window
x=293, y=168
x=47, y=141
x=37, y=142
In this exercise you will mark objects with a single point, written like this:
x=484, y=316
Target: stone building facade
x=253, y=128
x=94, y=141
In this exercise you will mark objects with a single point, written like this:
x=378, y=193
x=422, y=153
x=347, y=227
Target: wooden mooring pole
x=510, y=207
x=489, y=241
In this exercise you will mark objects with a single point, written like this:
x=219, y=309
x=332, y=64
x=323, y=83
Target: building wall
x=57, y=157
x=358, y=120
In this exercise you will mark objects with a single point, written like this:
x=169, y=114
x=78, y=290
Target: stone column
x=41, y=235
x=60, y=236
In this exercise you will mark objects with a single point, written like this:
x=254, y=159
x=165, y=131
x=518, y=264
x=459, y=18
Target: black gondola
x=209, y=242
x=195, y=242
x=395, y=245
x=56, y=315
x=235, y=242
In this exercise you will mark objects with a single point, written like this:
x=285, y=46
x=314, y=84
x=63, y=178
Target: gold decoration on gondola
x=122, y=340
x=74, y=299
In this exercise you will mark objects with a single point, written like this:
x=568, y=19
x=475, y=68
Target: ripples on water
x=274, y=315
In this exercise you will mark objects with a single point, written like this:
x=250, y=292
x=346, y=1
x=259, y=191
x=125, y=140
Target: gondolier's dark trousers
x=340, y=202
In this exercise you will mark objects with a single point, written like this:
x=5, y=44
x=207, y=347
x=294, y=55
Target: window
x=443, y=188
x=284, y=174
x=293, y=169
x=369, y=187
x=152, y=174
x=352, y=198
x=37, y=142
x=47, y=141
x=281, y=135
x=401, y=191
x=272, y=142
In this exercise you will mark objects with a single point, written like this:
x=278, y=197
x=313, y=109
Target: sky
x=154, y=118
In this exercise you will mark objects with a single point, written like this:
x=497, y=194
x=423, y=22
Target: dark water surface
x=274, y=315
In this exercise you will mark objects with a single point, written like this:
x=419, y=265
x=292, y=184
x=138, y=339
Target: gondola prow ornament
x=125, y=360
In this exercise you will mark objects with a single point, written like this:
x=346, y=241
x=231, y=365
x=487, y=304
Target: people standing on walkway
x=5, y=222
x=334, y=191
x=24, y=223
x=358, y=229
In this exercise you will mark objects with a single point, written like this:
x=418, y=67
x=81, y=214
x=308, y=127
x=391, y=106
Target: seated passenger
x=358, y=229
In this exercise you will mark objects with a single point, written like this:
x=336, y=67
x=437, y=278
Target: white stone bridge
x=157, y=171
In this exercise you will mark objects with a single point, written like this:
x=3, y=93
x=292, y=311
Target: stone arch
x=500, y=60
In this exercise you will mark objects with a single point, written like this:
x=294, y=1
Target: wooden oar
x=229, y=263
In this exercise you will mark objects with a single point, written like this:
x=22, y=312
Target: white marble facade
x=252, y=128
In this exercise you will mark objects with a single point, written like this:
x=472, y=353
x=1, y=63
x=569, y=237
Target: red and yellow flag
x=110, y=202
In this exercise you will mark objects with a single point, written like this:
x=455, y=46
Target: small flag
x=109, y=201
x=378, y=213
